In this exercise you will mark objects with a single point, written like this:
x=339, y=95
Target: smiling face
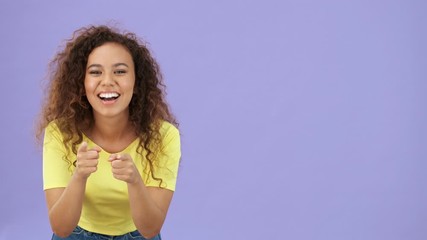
x=109, y=80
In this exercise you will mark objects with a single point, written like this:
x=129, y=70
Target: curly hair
x=67, y=105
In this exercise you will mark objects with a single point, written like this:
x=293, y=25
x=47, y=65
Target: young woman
x=111, y=147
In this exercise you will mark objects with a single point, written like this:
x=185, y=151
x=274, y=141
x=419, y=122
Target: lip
x=109, y=97
x=108, y=102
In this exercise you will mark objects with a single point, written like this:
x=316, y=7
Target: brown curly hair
x=67, y=105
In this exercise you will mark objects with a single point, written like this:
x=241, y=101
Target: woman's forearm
x=147, y=216
x=64, y=215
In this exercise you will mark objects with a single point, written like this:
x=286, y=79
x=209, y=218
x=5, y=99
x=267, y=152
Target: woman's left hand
x=123, y=168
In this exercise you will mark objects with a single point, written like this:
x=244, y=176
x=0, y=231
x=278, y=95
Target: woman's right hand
x=65, y=203
x=87, y=160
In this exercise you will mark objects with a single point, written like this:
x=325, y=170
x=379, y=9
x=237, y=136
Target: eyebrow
x=120, y=64
x=114, y=65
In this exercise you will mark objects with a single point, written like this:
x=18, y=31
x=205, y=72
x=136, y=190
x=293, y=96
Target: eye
x=120, y=72
x=95, y=72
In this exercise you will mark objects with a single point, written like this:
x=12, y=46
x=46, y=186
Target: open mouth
x=111, y=96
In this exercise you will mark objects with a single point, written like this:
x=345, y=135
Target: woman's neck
x=112, y=134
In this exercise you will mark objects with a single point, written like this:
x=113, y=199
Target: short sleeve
x=167, y=161
x=56, y=171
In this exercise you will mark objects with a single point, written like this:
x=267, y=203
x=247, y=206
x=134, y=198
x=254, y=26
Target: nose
x=108, y=79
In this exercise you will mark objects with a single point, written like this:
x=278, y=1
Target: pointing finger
x=96, y=148
x=82, y=147
x=112, y=157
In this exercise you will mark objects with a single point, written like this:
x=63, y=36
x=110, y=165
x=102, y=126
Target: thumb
x=96, y=148
x=82, y=147
x=113, y=157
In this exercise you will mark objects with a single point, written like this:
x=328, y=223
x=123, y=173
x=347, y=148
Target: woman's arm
x=149, y=205
x=65, y=204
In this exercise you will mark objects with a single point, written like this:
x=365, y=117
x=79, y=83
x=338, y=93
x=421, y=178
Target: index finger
x=96, y=148
x=82, y=147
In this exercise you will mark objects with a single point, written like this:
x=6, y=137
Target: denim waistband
x=80, y=234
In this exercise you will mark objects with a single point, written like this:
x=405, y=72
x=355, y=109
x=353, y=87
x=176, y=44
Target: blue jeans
x=81, y=234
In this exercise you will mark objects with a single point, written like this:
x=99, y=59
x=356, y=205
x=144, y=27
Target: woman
x=111, y=147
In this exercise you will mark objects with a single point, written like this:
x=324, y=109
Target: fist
x=123, y=168
x=87, y=160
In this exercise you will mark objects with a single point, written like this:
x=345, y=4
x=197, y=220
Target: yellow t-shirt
x=106, y=208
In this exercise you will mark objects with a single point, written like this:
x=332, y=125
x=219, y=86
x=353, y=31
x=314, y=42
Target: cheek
x=130, y=85
x=89, y=86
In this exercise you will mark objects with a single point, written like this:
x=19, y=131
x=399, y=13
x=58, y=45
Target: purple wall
x=299, y=119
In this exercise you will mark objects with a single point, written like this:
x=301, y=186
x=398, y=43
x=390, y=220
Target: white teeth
x=109, y=95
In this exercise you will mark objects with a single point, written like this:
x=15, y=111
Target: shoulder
x=52, y=129
x=53, y=132
x=167, y=128
x=53, y=138
x=52, y=126
x=169, y=134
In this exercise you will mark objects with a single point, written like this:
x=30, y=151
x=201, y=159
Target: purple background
x=300, y=119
